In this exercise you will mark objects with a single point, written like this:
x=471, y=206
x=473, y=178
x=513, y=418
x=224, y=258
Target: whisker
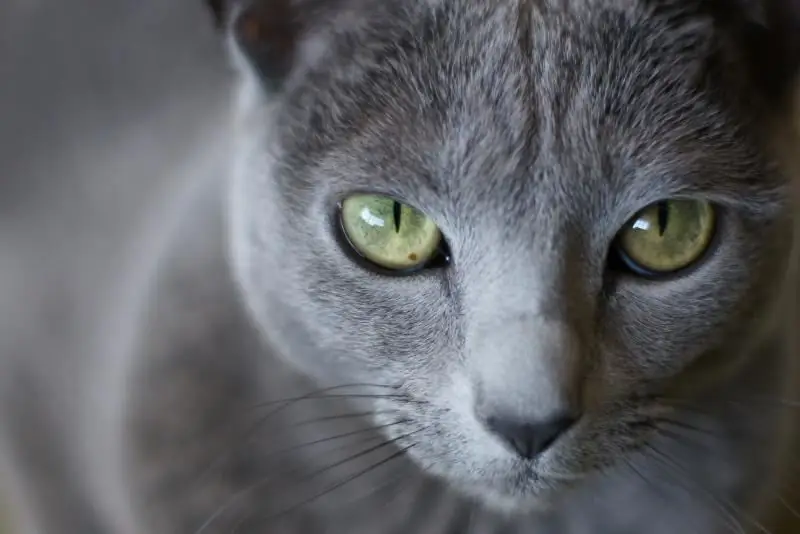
x=684, y=425
x=342, y=483
x=744, y=401
x=694, y=408
x=362, y=453
x=723, y=505
x=318, y=393
x=337, y=417
x=257, y=485
x=405, y=497
x=775, y=401
x=400, y=475
x=789, y=507
x=249, y=434
x=632, y=466
x=294, y=448
x=681, y=439
x=647, y=481
x=684, y=439
x=239, y=494
x=396, y=396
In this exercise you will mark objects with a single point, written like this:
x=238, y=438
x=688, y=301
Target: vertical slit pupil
x=663, y=217
x=398, y=210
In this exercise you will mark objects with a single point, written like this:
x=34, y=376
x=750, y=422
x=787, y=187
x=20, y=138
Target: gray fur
x=530, y=131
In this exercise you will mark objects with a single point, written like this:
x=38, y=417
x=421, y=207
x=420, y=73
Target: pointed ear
x=218, y=9
x=267, y=34
x=787, y=16
x=773, y=41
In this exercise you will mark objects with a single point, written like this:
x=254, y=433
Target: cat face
x=527, y=220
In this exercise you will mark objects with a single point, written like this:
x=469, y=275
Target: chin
x=509, y=503
x=515, y=489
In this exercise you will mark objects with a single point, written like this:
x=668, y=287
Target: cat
x=462, y=266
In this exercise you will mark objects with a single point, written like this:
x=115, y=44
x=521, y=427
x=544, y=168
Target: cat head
x=529, y=219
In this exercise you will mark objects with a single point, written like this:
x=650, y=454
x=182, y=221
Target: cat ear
x=786, y=14
x=773, y=43
x=218, y=9
x=267, y=34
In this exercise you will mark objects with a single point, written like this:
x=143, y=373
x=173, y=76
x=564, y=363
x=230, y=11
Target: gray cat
x=475, y=266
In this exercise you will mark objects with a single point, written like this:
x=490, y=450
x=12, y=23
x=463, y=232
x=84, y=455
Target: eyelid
x=442, y=258
x=720, y=234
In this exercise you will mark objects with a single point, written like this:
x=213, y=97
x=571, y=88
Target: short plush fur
x=530, y=131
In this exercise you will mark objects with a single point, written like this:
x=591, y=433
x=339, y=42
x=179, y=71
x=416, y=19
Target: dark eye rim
x=439, y=260
x=621, y=261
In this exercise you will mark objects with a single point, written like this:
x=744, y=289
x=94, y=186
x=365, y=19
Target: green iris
x=668, y=236
x=389, y=233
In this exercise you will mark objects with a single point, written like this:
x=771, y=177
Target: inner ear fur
x=268, y=32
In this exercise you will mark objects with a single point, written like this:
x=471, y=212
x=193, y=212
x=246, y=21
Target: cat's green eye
x=390, y=234
x=667, y=236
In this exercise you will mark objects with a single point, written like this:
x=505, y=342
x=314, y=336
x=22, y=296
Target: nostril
x=530, y=439
x=551, y=431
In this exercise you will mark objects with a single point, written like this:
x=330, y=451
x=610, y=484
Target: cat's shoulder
x=192, y=368
x=189, y=314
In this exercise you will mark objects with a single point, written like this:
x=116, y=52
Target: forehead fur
x=590, y=88
x=431, y=53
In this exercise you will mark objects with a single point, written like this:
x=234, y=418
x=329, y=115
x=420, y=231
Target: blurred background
x=99, y=102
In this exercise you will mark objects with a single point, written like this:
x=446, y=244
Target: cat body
x=261, y=377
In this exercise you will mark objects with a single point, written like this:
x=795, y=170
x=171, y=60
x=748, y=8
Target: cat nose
x=531, y=439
